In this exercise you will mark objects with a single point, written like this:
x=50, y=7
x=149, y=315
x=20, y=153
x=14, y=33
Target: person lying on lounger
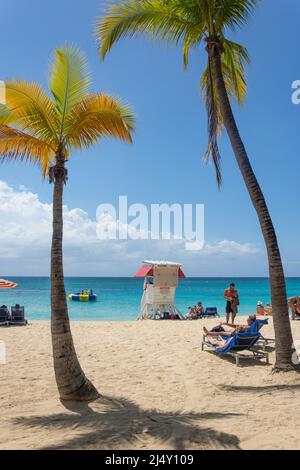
x=220, y=331
x=221, y=338
x=220, y=342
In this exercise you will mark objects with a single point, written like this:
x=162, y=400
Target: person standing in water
x=232, y=301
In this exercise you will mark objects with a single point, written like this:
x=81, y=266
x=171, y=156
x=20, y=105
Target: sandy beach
x=159, y=391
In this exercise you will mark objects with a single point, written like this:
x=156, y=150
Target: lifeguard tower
x=161, y=280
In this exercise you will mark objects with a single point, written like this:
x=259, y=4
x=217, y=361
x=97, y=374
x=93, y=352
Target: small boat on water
x=84, y=296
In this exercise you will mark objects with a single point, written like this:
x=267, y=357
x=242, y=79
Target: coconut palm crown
x=187, y=23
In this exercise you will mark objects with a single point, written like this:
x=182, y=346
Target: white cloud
x=25, y=238
x=229, y=246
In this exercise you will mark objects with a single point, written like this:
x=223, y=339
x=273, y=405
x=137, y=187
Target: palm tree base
x=85, y=393
x=285, y=368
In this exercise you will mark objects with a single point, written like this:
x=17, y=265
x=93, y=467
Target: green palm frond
x=186, y=23
x=69, y=82
x=167, y=20
x=233, y=60
x=37, y=127
x=191, y=41
x=214, y=120
x=233, y=13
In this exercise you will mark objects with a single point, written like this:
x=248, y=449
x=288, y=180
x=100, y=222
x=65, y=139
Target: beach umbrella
x=4, y=284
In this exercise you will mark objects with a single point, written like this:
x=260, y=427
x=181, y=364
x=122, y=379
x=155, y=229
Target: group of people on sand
x=221, y=337
x=166, y=316
x=195, y=312
x=231, y=296
x=264, y=310
x=293, y=304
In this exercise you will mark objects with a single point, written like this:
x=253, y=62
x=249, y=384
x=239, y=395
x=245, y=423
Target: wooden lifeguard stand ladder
x=161, y=281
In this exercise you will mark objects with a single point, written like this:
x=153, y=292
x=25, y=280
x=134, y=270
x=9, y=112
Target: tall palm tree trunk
x=71, y=382
x=281, y=320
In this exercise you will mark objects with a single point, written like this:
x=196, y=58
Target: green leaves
x=233, y=13
x=167, y=20
x=234, y=60
x=69, y=81
x=214, y=119
x=34, y=125
x=186, y=23
x=175, y=21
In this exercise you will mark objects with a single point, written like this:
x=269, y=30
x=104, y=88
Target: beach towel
x=239, y=341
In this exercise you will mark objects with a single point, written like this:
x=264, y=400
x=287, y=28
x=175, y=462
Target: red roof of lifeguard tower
x=147, y=268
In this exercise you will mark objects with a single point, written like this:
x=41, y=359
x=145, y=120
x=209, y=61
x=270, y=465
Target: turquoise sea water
x=119, y=298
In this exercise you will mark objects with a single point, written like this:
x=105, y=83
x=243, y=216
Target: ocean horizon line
x=133, y=277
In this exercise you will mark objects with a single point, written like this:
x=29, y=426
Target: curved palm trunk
x=281, y=320
x=71, y=381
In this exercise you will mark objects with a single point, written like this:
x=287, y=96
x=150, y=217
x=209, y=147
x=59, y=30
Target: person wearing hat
x=268, y=309
x=260, y=309
x=200, y=310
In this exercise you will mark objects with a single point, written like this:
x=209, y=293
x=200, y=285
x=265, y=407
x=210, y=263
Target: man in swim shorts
x=232, y=301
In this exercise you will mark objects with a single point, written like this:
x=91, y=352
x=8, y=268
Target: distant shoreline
x=132, y=277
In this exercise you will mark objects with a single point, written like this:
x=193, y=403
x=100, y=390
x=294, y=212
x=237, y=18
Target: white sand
x=159, y=391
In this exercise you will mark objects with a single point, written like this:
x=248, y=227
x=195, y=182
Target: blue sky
x=165, y=164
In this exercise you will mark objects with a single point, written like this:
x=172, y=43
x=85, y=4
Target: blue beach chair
x=236, y=344
x=211, y=312
x=256, y=327
x=18, y=316
x=4, y=316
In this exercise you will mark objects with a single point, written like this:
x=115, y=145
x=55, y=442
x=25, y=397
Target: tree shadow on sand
x=260, y=388
x=244, y=361
x=121, y=424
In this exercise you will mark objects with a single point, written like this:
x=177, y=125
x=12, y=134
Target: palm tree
x=187, y=23
x=43, y=128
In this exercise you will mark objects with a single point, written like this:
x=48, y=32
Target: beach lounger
x=4, y=316
x=256, y=327
x=17, y=316
x=211, y=312
x=239, y=342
